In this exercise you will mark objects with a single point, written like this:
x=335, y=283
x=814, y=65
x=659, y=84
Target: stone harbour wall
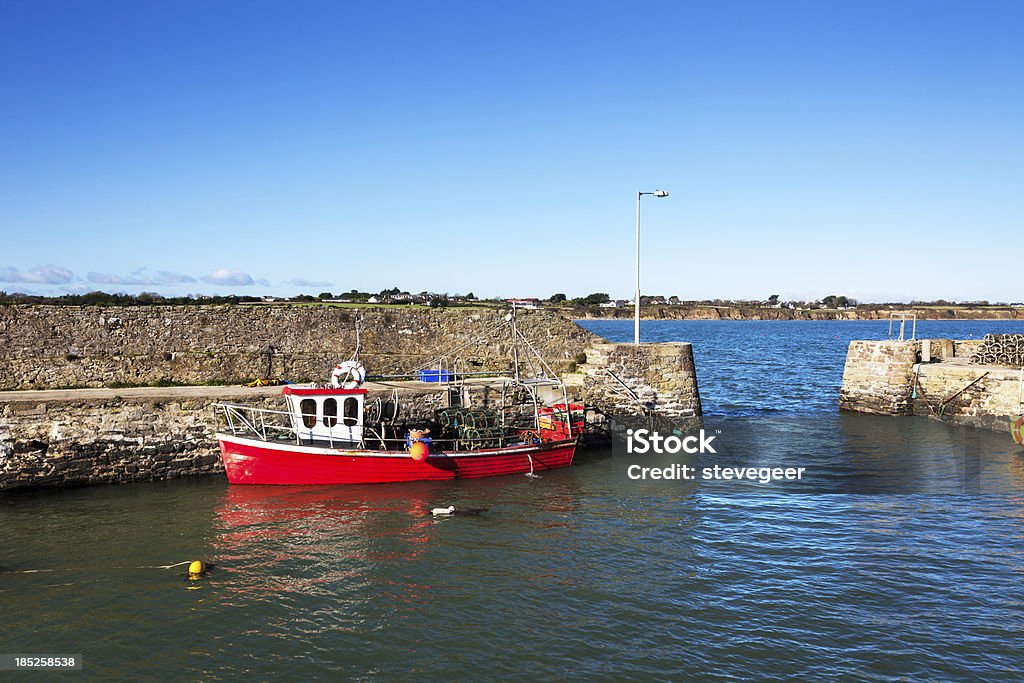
x=51, y=435
x=44, y=347
x=91, y=436
x=106, y=441
x=930, y=378
x=68, y=438
x=622, y=379
x=978, y=396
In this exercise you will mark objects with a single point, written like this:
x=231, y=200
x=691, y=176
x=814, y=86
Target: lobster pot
x=1000, y=349
x=468, y=417
x=473, y=438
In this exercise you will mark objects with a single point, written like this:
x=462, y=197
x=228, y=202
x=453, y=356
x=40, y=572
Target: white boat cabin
x=333, y=417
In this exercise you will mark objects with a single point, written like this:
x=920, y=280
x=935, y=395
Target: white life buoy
x=348, y=375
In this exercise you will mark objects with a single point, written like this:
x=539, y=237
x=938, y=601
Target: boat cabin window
x=330, y=412
x=351, y=407
x=308, y=409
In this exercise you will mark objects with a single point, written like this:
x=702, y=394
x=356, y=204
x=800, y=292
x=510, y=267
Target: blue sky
x=873, y=149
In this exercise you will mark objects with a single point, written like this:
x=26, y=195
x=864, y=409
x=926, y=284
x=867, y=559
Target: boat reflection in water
x=350, y=556
x=316, y=539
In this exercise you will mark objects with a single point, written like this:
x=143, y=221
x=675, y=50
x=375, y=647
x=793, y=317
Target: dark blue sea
x=579, y=574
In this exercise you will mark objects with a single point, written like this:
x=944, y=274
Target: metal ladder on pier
x=903, y=317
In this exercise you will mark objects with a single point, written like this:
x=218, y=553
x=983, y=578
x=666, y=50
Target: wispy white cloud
x=40, y=275
x=166, y=277
x=300, y=282
x=78, y=289
x=229, y=278
x=140, y=277
x=27, y=292
x=110, y=279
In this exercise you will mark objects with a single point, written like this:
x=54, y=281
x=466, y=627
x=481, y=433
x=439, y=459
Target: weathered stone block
x=878, y=377
x=629, y=379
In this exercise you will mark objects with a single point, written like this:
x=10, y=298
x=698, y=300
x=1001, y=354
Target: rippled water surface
x=577, y=574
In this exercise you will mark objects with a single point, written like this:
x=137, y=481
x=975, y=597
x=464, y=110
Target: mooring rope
x=88, y=569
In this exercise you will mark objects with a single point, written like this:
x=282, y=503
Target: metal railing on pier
x=902, y=317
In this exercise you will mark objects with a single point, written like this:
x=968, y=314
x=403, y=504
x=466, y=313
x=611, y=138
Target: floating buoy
x=196, y=569
x=419, y=451
x=450, y=510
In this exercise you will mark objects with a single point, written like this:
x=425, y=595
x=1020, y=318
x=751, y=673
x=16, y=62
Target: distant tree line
x=395, y=295
x=104, y=299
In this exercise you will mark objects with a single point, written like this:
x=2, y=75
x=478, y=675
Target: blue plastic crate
x=435, y=376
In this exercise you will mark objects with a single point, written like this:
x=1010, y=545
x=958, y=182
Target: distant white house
x=524, y=303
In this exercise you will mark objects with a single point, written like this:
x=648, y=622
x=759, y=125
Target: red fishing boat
x=343, y=434
x=311, y=443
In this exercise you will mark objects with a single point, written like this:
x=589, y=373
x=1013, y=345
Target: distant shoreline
x=726, y=311
x=989, y=313
x=791, y=320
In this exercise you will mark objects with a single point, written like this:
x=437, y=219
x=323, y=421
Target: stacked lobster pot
x=1000, y=349
x=472, y=428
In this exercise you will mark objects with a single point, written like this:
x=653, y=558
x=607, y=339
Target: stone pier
x=77, y=410
x=933, y=378
x=879, y=377
x=92, y=436
x=72, y=437
x=622, y=379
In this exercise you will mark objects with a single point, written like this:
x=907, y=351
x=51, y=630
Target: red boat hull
x=251, y=461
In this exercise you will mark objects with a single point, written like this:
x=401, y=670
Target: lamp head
x=660, y=193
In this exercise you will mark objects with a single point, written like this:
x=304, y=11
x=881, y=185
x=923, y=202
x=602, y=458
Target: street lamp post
x=636, y=298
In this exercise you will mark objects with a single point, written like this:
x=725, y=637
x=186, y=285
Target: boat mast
x=359, y=318
x=515, y=343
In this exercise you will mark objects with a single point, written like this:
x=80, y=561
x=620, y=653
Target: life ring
x=348, y=375
x=1017, y=430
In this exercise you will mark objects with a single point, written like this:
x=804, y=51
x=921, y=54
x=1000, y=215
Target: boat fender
x=419, y=451
x=348, y=375
x=418, y=444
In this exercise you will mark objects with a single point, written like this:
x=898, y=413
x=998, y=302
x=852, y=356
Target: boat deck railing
x=271, y=425
x=252, y=422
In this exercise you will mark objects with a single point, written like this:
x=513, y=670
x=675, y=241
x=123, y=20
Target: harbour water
x=580, y=573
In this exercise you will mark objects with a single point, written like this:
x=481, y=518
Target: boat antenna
x=515, y=343
x=359, y=318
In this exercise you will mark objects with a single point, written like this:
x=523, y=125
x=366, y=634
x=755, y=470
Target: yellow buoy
x=196, y=569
